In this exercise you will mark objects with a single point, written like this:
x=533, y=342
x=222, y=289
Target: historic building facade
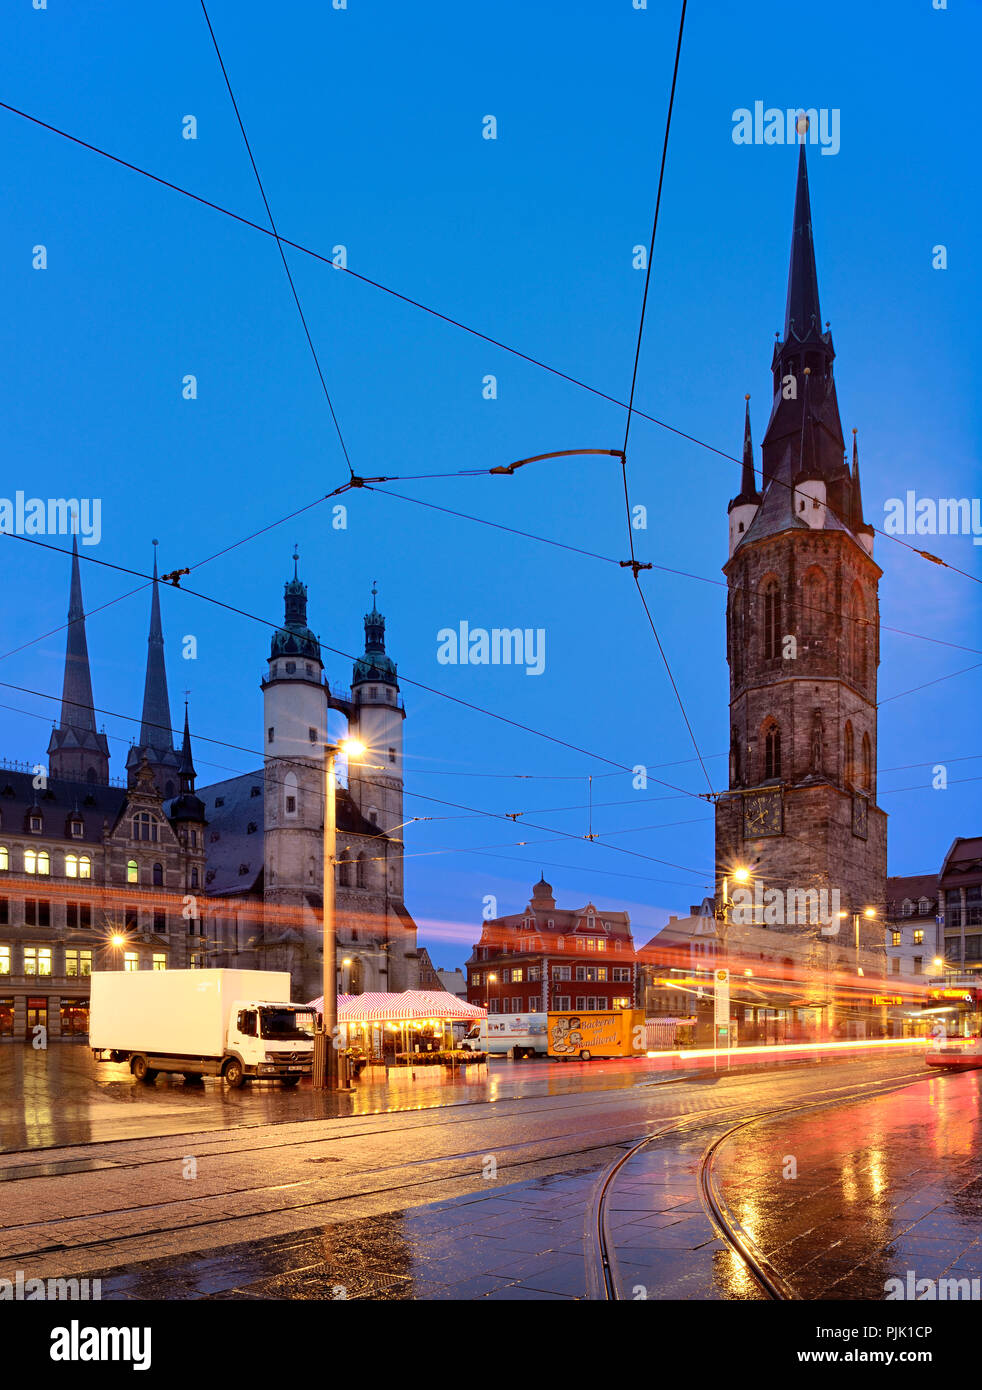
x=554, y=958
x=96, y=875
x=800, y=814
x=150, y=874
x=265, y=828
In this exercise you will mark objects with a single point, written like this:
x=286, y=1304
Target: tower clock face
x=763, y=814
x=859, y=817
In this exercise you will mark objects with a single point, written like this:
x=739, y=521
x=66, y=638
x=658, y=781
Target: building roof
x=57, y=803
x=910, y=887
x=964, y=856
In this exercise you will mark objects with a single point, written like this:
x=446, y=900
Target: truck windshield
x=285, y=1024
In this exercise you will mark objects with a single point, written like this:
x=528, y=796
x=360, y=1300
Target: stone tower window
x=867, y=764
x=772, y=619
x=362, y=870
x=815, y=602
x=857, y=636
x=772, y=752
x=344, y=869
x=158, y=875
x=290, y=793
x=850, y=754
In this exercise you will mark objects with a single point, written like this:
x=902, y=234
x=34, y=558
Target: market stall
x=414, y=1028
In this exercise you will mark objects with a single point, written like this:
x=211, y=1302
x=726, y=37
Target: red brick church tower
x=803, y=634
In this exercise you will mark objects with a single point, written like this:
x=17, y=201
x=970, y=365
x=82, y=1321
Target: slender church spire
x=155, y=730
x=802, y=314
x=76, y=751
x=156, y=740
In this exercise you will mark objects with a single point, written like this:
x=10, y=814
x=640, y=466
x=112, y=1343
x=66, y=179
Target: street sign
x=721, y=979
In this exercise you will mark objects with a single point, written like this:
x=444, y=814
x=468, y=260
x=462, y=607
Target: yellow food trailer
x=610, y=1033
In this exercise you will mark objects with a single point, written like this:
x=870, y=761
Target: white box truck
x=522, y=1035
x=236, y=1024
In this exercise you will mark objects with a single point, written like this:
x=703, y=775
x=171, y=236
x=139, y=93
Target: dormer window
x=251, y=828
x=291, y=667
x=144, y=826
x=76, y=829
x=35, y=824
x=907, y=908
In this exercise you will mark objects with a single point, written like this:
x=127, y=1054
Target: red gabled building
x=554, y=958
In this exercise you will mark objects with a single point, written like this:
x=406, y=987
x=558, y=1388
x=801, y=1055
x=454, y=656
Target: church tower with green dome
x=294, y=732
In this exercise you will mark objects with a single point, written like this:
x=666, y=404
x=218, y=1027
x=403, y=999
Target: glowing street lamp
x=326, y=1071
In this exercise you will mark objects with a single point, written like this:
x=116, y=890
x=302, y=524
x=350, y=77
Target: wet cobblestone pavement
x=341, y=1208
x=881, y=1188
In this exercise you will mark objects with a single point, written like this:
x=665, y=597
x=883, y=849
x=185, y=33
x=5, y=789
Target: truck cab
x=271, y=1039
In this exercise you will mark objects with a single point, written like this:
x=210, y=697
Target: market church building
x=151, y=874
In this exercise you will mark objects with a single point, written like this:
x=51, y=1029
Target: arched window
x=144, y=826
x=84, y=866
x=849, y=755
x=194, y=877
x=858, y=636
x=132, y=872
x=772, y=619
x=158, y=875
x=344, y=869
x=814, y=599
x=867, y=764
x=362, y=870
x=772, y=752
x=30, y=861
x=71, y=866
x=44, y=862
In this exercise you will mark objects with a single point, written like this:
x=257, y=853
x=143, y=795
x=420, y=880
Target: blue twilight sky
x=366, y=125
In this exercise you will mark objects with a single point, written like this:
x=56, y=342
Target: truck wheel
x=143, y=1071
x=290, y=1081
x=233, y=1074
x=584, y=1056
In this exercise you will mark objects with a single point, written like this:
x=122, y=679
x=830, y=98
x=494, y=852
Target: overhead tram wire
x=348, y=656
x=669, y=569
x=513, y=816
x=279, y=244
x=448, y=319
x=634, y=564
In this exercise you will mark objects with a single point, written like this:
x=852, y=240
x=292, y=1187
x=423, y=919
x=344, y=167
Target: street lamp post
x=327, y=1074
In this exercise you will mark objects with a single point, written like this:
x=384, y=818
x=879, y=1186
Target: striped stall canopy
x=401, y=1008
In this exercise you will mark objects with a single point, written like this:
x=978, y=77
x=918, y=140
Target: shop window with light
x=77, y=962
x=131, y=961
x=132, y=872
x=895, y=938
x=516, y=976
x=622, y=1003
x=159, y=961
x=4, y=857
x=84, y=866
x=918, y=938
x=71, y=866
x=4, y=960
x=30, y=861
x=44, y=862
x=37, y=960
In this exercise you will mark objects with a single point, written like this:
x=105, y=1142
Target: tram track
x=724, y=1222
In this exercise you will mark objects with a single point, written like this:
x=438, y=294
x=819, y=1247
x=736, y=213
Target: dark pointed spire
x=187, y=772
x=75, y=749
x=76, y=694
x=857, y=495
x=155, y=729
x=748, y=493
x=802, y=315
